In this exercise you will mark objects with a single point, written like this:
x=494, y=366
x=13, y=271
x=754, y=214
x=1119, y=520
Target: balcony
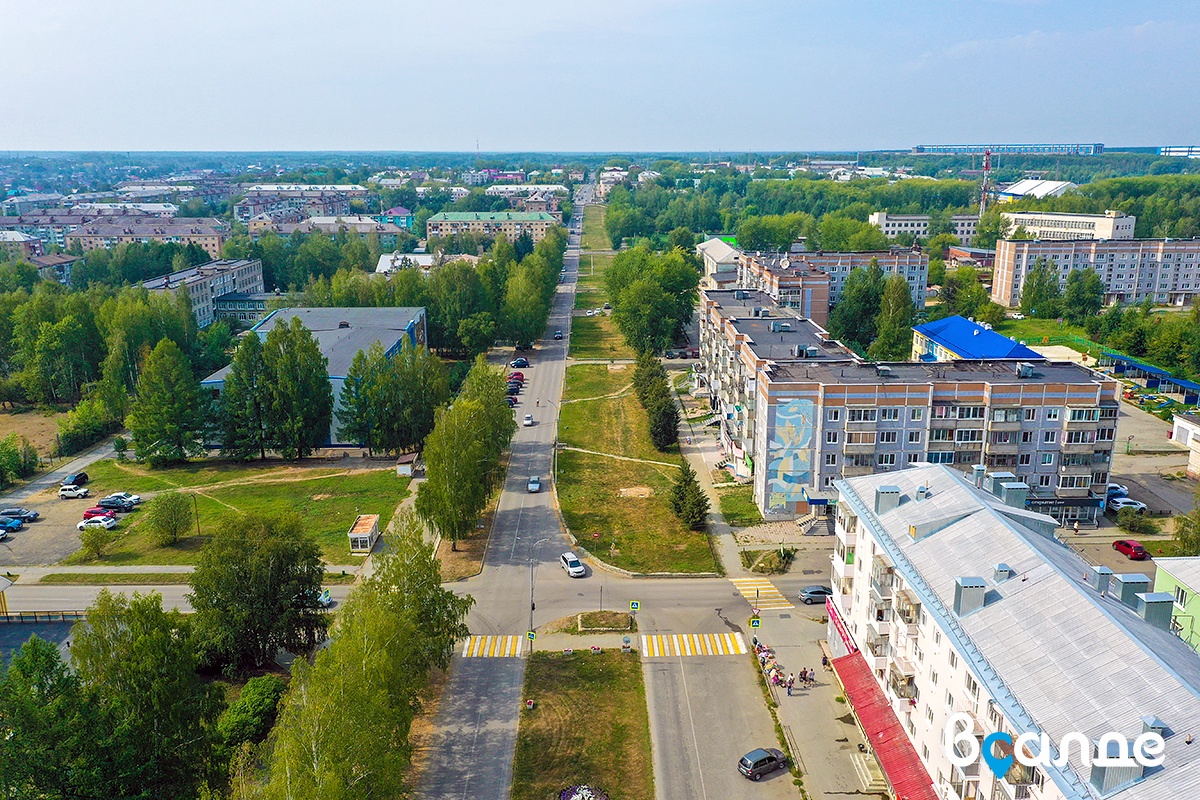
x=881, y=588
x=1014, y=425
x=855, y=470
x=840, y=568
x=879, y=619
x=1002, y=448
x=859, y=448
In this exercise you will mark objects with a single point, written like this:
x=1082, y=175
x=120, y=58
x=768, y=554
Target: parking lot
x=53, y=537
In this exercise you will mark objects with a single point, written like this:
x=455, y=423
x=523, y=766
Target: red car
x=516, y=376
x=97, y=511
x=1131, y=548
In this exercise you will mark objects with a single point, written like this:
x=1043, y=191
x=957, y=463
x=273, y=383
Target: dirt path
x=621, y=458
x=624, y=390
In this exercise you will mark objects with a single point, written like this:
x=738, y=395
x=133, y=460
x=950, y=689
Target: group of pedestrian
x=774, y=673
x=807, y=679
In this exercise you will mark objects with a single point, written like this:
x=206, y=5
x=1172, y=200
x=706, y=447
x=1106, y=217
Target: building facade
x=210, y=281
x=893, y=225
x=797, y=411
x=761, y=270
x=1185, y=432
x=25, y=203
x=244, y=307
x=1180, y=578
x=14, y=244
x=720, y=260
x=1167, y=271
x=1180, y=151
x=1092, y=149
x=207, y=233
x=956, y=615
x=387, y=233
x=491, y=223
x=1051, y=225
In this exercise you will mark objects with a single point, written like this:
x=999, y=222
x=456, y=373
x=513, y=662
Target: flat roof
x=493, y=216
x=193, y=273
x=779, y=345
x=807, y=371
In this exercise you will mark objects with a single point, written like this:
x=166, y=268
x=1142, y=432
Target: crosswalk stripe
x=492, y=647
x=762, y=592
x=669, y=645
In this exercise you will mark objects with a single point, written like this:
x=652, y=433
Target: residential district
x=584, y=477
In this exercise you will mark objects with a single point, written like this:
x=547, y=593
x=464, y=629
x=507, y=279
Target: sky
x=595, y=75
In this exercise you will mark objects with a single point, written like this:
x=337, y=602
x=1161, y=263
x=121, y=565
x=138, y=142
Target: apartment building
x=491, y=223
x=763, y=270
x=798, y=411
x=307, y=203
x=956, y=615
x=520, y=189
x=25, y=203
x=720, y=260
x=1180, y=151
x=164, y=210
x=893, y=225
x=1050, y=225
x=49, y=225
x=1165, y=270
x=1180, y=578
x=387, y=233
x=209, y=281
x=207, y=233
x=955, y=338
x=14, y=244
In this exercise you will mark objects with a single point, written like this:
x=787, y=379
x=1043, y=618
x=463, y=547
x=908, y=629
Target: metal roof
x=1185, y=570
x=968, y=339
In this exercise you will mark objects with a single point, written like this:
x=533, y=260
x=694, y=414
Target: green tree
x=420, y=381
x=250, y=717
x=299, y=396
x=853, y=318
x=688, y=501
x=243, y=403
x=893, y=325
x=360, y=414
x=992, y=226
x=455, y=489
x=681, y=238
x=255, y=591
x=664, y=420
x=1084, y=295
x=477, y=332
x=643, y=312
x=169, y=516
x=140, y=661
x=167, y=419
x=94, y=540
x=1040, y=296
x=525, y=310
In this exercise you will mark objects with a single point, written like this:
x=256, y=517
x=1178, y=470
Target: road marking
x=761, y=593
x=492, y=647
x=669, y=645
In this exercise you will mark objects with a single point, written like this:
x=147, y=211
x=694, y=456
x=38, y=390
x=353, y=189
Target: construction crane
x=987, y=171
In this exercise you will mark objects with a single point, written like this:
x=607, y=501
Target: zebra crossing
x=669, y=645
x=761, y=593
x=492, y=647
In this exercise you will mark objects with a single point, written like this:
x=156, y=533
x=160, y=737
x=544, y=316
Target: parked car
x=513, y=389
x=1117, y=490
x=11, y=524
x=72, y=491
x=571, y=563
x=591, y=313
x=325, y=598
x=97, y=511
x=3, y=535
x=78, y=479
x=511, y=401
x=521, y=362
x=534, y=485
x=115, y=504
x=608, y=306
x=1131, y=549
x=814, y=594
x=23, y=514
x=558, y=334
x=693, y=352
x=528, y=421
x=1117, y=503
x=762, y=761
x=518, y=375
x=129, y=497
x=97, y=522
x=670, y=354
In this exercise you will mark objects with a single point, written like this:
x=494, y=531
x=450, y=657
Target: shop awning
x=895, y=753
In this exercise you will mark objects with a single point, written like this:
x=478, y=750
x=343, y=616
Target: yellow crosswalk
x=492, y=647
x=692, y=644
x=761, y=593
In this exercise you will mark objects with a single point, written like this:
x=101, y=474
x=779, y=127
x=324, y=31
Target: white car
x=571, y=563
x=72, y=491
x=528, y=422
x=535, y=484
x=107, y=523
x=136, y=499
x=1118, y=503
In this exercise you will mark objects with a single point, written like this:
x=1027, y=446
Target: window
x=949, y=700
x=933, y=676
x=831, y=437
x=1074, y=482
x=862, y=414
x=929, y=717
x=1085, y=415
x=940, y=434
x=831, y=459
x=888, y=437
x=1049, y=437
x=917, y=652
x=1181, y=596
x=972, y=687
x=913, y=458
x=1099, y=477
x=860, y=437
x=1052, y=414
x=969, y=435
x=914, y=437
x=1006, y=415
x=970, y=412
x=1045, y=480
x=1047, y=459
x=889, y=414
x=886, y=460
x=1026, y=437
x=937, y=638
x=953, y=660
x=1080, y=437
x=942, y=412
x=1025, y=460
x=916, y=414
x=833, y=415
x=941, y=458
x=1106, y=434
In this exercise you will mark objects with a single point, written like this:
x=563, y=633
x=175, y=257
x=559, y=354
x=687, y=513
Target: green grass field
x=738, y=508
x=327, y=501
x=595, y=237
x=589, y=726
x=1032, y=331
x=615, y=425
x=597, y=337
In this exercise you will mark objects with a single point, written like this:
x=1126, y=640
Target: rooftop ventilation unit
x=1155, y=608
x=1126, y=587
x=1013, y=493
x=883, y=371
x=1001, y=573
x=1099, y=578
x=922, y=492
x=812, y=351
x=1023, y=369
x=886, y=499
x=1106, y=776
x=969, y=593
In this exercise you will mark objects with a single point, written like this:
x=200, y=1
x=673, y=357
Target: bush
x=95, y=540
x=85, y=425
x=169, y=516
x=1131, y=521
x=250, y=717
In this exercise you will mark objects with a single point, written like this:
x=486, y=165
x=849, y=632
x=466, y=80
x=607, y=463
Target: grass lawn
x=150, y=578
x=595, y=237
x=589, y=726
x=1032, y=331
x=110, y=476
x=737, y=506
x=327, y=503
x=618, y=510
x=597, y=337
x=616, y=425
x=591, y=271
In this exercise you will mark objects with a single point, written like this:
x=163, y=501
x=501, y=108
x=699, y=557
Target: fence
x=31, y=617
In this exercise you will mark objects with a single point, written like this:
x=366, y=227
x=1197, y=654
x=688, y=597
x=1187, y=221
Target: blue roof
x=971, y=340
x=1149, y=369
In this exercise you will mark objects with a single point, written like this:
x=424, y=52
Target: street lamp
x=531, y=569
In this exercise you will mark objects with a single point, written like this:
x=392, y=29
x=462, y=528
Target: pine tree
x=167, y=419
x=688, y=500
x=243, y=403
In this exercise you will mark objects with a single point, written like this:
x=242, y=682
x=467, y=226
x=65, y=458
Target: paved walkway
x=35, y=574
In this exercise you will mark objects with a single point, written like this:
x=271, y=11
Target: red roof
x=887, y=738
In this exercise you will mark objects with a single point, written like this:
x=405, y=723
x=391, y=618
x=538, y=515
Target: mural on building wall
x=790, y=453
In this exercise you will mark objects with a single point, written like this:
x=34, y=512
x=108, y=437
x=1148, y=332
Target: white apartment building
x=950, y=599
x=893, y=225
x=1165, y=270
x=1049, y=225
x=207, y=282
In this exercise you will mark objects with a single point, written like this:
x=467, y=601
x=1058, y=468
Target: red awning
x=886, y=736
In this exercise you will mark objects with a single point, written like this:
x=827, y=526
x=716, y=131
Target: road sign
x=755, y=622
x=634, y=605
x=531, y=635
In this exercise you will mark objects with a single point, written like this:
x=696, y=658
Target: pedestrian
x=824, y=662
x=791, y=681
x=1075, y=527
x=537, y=402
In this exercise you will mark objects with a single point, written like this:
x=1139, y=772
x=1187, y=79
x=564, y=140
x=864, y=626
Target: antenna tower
x=987, y=171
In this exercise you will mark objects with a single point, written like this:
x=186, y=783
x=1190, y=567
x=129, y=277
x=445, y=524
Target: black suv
x=115, y=504
x=78, y=479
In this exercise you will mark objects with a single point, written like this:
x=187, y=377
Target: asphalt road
x=60, y=597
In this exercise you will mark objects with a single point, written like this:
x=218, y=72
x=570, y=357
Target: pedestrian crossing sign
x=531, y=635
x=755, y=622
x=634, y=605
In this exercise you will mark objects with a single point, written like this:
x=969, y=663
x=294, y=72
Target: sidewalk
x=704, y=453
x=34, y=574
